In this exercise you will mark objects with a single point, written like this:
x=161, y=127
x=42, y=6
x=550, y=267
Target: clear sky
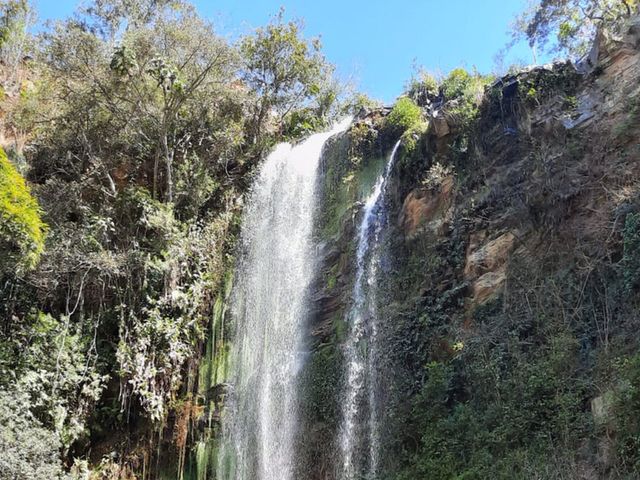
x=375, y=43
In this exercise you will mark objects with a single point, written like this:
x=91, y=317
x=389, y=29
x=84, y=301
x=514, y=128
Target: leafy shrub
x=412, y=136
x=362, y=139
x=22, y=231
x=422, y=86
x=404, y=115
x=49, y=362
x=463, y=92
x=358, y=102
x=627, y=414
x=301, y=122
x=631, y=255
x=456, y=83
x=28, y=449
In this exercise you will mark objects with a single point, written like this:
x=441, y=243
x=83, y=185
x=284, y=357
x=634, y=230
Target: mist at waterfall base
x=270, y=306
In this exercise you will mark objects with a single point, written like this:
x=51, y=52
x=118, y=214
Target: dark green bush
x=631, y=255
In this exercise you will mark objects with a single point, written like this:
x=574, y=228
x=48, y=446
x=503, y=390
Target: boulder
x=426, y=209
x=487, y=285
x=489, y=257
x=440, y=124
x=486, y=266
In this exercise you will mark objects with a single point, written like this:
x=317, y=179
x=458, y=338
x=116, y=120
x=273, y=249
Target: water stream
x=359, y=434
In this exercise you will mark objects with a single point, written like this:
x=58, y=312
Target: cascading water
x=270, y=306
x=360, y=348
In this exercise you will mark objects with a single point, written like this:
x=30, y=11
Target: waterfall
x=361, y=345
x=269, y=307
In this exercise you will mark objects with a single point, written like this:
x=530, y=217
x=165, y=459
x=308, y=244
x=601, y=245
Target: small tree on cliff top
x=284, y=69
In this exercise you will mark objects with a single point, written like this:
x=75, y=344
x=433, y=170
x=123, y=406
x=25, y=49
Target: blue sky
x=375, y=43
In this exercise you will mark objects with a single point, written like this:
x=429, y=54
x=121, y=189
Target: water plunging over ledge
x=359, y=430
x=270, y=305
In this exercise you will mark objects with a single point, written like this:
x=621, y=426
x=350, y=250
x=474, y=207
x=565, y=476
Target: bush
x=456, y=83
x=405, y=114
x=422, y=87
x=22, y=231
x=463, y=92
x=631, y=255
x=28, y=449
x=627, y=413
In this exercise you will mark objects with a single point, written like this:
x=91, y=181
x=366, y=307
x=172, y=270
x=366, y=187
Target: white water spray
x=270, y=307
x=360, y=348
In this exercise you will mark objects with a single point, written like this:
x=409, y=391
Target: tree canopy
x=570, y=26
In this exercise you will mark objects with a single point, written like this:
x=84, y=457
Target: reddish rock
x=424, y=206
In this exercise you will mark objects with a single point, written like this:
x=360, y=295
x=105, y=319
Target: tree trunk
x=156, y=163
x=168, y=158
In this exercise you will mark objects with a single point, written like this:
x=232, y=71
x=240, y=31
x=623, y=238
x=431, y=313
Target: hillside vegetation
x=131, y=133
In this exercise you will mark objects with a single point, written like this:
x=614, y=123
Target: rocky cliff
x=511, y=274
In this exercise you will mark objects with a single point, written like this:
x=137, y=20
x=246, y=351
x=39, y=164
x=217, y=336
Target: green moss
x=340, y=327
x=22, y=231
x=214, y=366
x=348, y=179
x=323, y=375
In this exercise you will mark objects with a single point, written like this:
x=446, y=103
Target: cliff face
x=510, y=277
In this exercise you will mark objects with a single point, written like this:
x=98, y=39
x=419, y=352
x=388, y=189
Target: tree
x=285, y=70
x=111, y=17
x=571, y=25
x=154, y=92
x=16, y=16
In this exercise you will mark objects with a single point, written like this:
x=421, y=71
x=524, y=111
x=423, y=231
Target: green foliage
x=536, y=87
x=16, y=16
x=285, y=70
x=123, y=61
x=631, y=252
x=359, y=102
x=503, y=395
x=48, y=367
x=156, y=341
x=29, y=450
x=12, y=14
x=404, y=115
x=485, y=415
x=457, y=83
x=422, y=87
x=627, y=413
x=22, y=231
x=300, y=123
x=569, y=26
x=362, y=140
x=464, y=93
x=412, y=136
